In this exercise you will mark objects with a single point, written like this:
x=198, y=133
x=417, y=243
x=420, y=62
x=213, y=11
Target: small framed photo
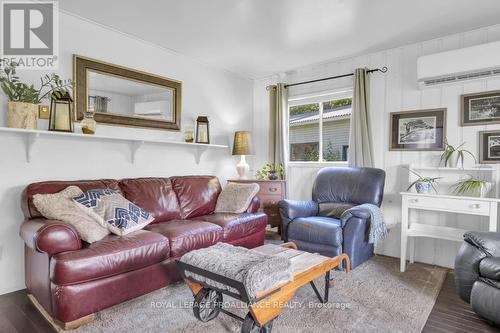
x=418, y=130
x=480, y=108
x=489, y=147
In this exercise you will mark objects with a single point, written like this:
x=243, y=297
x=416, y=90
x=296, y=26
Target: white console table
x=442, y=203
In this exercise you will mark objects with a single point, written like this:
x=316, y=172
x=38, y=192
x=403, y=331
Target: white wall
x=225, y=97
x=394, y=91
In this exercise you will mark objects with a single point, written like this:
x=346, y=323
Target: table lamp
x=242, y=146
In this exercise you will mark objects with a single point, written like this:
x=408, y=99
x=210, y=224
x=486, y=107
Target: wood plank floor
x=450, y=314
x=19, y=315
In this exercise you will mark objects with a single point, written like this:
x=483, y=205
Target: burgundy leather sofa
x=72, y=280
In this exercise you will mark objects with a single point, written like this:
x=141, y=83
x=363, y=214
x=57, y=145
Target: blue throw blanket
x=378, y=228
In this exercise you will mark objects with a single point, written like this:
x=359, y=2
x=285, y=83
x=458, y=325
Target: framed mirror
x=126, y=97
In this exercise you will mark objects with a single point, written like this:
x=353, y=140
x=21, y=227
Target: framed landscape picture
x=489, y=147
x=480, y=108
x=418, y=130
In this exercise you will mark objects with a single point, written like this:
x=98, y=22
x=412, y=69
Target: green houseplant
x=22, y=109
x=472, y=186
x=423, y=184
x=271, y=171
x=452, y=155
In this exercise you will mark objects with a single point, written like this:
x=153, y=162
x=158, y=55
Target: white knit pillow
x=236, y=197
x=60, y=206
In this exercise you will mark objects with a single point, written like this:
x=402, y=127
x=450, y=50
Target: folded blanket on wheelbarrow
x=257, y=271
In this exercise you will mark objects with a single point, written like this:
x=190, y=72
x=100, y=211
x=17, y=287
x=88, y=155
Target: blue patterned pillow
x=113, y=211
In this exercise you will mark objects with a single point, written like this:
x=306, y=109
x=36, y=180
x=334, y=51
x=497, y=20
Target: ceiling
x=257, y=38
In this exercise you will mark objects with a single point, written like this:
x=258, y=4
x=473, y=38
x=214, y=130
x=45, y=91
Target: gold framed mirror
x=125, y=97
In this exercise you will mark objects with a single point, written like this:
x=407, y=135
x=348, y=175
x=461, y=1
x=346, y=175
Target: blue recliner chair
x=322, y=225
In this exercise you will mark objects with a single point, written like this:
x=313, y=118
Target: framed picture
x=418, y=130
x=489, y=147
x=480, y=108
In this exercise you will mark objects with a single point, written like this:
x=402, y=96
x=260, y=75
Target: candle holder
x=202, y=130
x=61, y=113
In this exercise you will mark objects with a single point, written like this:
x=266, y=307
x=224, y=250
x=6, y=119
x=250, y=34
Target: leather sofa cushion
x=52, y=187
x=316, y=229
x=490, y=268
x=154, y=195
x=236, y=225
x=186, y=235
x=197, y=194
x=110, y=256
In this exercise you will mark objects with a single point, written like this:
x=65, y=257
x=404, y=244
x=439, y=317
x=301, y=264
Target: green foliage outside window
x=307, y=108
x=337, y=103
x=301, y=109
x=330, y=154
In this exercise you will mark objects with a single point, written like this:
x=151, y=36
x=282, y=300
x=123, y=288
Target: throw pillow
x=333, y=209
x=60, y=206
x=113, y=211
x=236, y=198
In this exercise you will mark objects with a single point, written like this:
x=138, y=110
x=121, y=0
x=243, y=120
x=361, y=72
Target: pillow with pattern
x=113, y=211
x=60, y=206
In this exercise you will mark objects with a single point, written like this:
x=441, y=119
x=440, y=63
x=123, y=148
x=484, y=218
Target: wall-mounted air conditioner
x=469, y=63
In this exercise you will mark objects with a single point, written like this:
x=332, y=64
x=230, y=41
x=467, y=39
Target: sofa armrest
x=355, y=211
x=254, y=205
x=292, y=209
x=489, y=268
x=476, y=247
x=49, y=236
x=487, y=242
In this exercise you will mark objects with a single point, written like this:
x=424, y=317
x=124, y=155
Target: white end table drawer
x=466, y=205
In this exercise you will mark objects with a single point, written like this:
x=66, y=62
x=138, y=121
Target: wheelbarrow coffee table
x=265, y=307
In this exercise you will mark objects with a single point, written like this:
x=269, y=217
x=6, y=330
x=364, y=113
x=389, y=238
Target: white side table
x=441, y=203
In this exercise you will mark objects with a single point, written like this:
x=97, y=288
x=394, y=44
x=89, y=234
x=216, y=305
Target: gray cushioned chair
x=320, y=226
x=477, y=273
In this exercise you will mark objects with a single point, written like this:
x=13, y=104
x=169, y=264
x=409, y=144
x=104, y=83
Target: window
x=319, y=127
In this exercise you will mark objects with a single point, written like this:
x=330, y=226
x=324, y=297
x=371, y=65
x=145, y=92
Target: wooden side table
x=270, y=193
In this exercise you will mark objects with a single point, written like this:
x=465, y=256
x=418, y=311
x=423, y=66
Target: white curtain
x=278, y=130
x=360, y=138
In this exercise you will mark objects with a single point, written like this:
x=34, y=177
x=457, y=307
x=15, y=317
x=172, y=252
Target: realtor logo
x=29, y=34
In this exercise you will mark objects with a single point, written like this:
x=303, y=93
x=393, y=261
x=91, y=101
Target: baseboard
x=58, y=325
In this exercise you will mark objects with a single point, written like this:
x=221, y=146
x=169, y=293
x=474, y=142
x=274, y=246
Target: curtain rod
x=382, y=70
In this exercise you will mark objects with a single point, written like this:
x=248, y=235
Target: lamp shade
x=242, y=143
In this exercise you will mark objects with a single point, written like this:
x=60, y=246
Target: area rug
x=374, y=297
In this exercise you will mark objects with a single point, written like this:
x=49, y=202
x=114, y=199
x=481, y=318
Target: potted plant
x=423, y=184
x=472, y=186
x=22, y=109
x=271, y=171
x=452, y=155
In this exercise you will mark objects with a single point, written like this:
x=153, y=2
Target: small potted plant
x=472, y=186
x=423, y=184
x=271, y=171
x=22, y=109
x=452, y=155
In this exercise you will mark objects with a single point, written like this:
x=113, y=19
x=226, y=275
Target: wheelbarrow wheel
x=251, y=326
x=207, y=304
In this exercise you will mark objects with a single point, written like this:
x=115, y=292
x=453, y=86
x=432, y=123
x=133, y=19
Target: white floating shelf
x=32, y=137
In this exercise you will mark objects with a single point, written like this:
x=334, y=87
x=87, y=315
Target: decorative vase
x=88, y=123
x=485, y=189
x=22, y=115
x=423, y=187
x=453, y=160
x=273, y=175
